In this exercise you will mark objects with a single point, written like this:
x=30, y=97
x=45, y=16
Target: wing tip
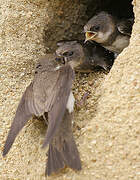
x=5, y=151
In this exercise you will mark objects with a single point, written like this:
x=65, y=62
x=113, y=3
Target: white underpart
x=57, y=68
x=70, y=103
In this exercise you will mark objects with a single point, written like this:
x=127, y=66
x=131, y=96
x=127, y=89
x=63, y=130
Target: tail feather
x=62, y=148
x=71, y=155
x=55, y=160
x=68, y=155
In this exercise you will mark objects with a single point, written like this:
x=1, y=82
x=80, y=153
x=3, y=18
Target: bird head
x=71, y=51
x=99, y=28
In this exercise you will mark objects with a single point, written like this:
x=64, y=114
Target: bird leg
x=82, y=102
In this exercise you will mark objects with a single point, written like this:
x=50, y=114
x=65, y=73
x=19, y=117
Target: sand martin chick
x=89, y=55
x=109, y=32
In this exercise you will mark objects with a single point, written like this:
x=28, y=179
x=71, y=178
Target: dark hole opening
x=69, y=24
x=119, y=8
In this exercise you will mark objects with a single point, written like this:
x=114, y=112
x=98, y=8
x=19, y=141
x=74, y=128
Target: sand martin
x=50, y=92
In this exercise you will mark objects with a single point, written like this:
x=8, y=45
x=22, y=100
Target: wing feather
x=58, y=107
x=23, y=114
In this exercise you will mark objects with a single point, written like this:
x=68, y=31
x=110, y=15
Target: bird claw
x=83, y=100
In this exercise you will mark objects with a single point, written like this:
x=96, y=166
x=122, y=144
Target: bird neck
x=111, y=38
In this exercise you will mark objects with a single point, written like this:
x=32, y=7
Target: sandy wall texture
x=106, y=128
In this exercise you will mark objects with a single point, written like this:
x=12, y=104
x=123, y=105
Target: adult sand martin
x=108, y=31
x=50, y=92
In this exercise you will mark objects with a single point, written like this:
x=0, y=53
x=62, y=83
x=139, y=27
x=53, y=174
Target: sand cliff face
x=106, y=129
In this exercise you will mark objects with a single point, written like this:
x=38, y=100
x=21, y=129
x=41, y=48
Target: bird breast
x=70, y=103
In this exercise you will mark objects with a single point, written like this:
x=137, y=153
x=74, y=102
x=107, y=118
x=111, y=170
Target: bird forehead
x=96, y=21
x=101, y=20
x=101, y=16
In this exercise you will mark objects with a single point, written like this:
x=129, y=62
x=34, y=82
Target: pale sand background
x=106, y=129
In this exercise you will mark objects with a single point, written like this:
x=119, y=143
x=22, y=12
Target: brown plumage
x=49, y=92
x=62, y=149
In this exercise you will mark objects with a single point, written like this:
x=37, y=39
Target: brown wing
x=23, y=114
x=61, y=95
x=44, y=82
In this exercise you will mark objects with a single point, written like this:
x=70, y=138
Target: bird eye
x=38, y=66
x=68, y=53
x=95, y=28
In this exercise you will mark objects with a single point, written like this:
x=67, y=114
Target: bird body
x=118, y=44
x=49, y=92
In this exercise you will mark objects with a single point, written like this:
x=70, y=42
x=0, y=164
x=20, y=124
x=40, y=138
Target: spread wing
x=42, y=96
x=61, y=95
x=23, y=114
x=125, y=26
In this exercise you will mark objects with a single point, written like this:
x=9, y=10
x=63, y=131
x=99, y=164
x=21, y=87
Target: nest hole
x=70, y=17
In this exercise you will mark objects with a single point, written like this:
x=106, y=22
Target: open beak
x=90, y=35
